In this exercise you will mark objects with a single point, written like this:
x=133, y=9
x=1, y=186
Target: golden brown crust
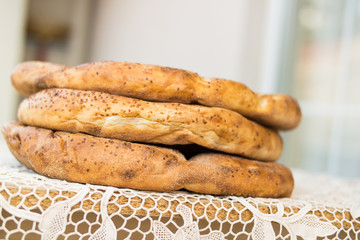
x=155, y=83
x=88, y=159
x=227, y=175
x=113, y=116
x=25, y=77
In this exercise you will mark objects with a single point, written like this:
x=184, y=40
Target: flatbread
x=88, y=159
x=155, y=83
x=106, y=115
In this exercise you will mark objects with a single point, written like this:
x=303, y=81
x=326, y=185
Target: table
x=35, y=207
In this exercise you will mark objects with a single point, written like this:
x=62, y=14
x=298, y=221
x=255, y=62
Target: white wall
x=211, y=37
x=11, y=48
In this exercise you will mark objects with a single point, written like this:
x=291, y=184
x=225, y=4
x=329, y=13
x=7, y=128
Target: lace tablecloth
x=36, y=207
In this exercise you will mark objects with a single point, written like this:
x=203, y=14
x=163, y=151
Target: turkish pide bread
x=106, y=115
x=164, y=84
x=148, y=127
x=96, y=160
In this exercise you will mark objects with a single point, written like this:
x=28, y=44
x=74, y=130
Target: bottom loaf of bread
x=88, y=159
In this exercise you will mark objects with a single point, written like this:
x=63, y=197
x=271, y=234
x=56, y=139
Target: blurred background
x=309, y=49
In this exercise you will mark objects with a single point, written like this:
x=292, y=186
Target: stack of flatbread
x=148, y=127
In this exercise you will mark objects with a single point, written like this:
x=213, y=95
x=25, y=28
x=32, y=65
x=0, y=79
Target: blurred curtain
x=12, y=21
x=324, y=75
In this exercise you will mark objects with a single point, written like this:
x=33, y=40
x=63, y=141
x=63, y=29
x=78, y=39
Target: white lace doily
x=36, y=207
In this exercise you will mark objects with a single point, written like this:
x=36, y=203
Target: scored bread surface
x=89, y=159
x=113, y=116
x=156, y=83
